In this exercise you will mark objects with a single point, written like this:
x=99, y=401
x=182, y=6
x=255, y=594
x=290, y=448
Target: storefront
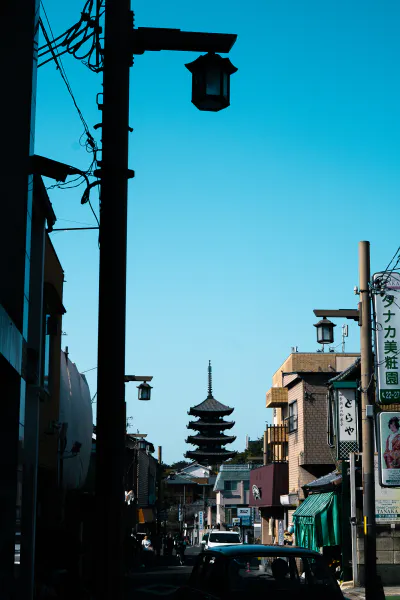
x=267, y=484
x=317, y=521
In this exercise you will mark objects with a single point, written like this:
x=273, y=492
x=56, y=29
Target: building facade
x=298, y=437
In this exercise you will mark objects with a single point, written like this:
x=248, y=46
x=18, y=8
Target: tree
x=255, y=450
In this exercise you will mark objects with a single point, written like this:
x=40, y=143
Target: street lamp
x=324, y=331
x=211, y=81
x=144, y=391
x=121, y=41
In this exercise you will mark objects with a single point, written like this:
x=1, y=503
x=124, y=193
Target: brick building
x=298, y=397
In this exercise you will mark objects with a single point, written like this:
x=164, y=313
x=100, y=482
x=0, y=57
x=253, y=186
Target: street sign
x=387, y=336
x=243, y=512
x=201, y=519
x=236, y=521
x=280, y=533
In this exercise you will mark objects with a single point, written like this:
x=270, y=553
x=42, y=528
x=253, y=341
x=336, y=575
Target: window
x=46, y=354
x=293, y=416
x=230, y=486
x=246, y=485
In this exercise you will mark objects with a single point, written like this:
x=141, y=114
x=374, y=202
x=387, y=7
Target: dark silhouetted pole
x=372, y=584
x=111, y=413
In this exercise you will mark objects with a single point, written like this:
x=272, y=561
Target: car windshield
x=205, y=537
x=297, y=576
x=225, y=538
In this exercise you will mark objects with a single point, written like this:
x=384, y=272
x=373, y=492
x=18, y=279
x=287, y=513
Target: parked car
x=273, y=572
x=204, y=542
x=222, y=538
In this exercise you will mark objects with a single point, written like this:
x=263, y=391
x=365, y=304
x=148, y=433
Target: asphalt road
x=162, y=579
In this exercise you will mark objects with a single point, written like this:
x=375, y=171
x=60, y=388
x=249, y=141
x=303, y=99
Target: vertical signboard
x=387, y=336
x=347, y=419
x=389, y=448
x=201, y=519
x=281, y=537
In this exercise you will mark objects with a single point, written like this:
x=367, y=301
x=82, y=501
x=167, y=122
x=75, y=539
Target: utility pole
x=373, y=584
x=368, y=448
x=111, y=413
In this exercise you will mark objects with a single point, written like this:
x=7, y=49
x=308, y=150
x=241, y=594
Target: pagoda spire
x=209, y=380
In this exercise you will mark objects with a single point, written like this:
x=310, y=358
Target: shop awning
x=316, y=521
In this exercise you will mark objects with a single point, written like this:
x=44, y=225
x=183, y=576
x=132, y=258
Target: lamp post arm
x=155, y=39
x=341, y=313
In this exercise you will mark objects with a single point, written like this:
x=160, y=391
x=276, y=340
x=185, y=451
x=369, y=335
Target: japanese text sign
x=387, y=337
x=347, y=421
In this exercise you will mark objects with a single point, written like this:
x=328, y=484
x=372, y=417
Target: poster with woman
x=389, y=429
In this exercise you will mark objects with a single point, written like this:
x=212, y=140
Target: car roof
x=219, y=531
x=262, y=549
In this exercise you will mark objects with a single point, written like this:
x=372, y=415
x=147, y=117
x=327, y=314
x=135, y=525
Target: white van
x=222, y=538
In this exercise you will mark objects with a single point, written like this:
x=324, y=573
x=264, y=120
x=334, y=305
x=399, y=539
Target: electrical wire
x=87, y=28
x=87, y=370
x=90, y=143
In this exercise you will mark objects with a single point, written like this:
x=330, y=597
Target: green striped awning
x=316, y=521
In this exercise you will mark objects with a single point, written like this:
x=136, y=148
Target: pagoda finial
x=209, y=379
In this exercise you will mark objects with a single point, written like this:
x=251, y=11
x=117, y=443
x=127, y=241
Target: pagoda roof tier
x=218, y=438
x=210, y=406
x=201, y=424
x=210, y=455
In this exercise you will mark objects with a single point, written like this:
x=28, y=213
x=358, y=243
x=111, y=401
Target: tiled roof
x=211, y=405
x=234, y=475
x=352, y=368
x=219, y=424
x=208, y=455
x=218, y=437
x=327, y=481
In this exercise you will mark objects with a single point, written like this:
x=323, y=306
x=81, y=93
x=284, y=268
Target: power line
x=87, y=370
x=64, y=76
x=87, y=28
x=90, y=143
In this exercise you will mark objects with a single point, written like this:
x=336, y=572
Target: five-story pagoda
x=210, y=439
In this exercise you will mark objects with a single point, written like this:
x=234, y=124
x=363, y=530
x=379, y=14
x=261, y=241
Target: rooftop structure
x=210, y=439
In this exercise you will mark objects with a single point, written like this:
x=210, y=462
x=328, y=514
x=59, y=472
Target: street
x=160, y=580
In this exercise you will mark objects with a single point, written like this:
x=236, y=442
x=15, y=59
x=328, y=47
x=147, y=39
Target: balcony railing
x=277, y=443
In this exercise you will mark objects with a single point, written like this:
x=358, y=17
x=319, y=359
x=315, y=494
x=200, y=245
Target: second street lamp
x=144, y=391
x=324, y=331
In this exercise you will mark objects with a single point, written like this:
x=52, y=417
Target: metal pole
x=111, y=413
x=371, y=588
x=265, y=448
x=346, y=531
x=353, y=518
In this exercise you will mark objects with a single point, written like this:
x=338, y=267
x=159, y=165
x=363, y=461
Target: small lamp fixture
x=142, y=445
x=211, y=81
x=144, y=391
x=325, y=331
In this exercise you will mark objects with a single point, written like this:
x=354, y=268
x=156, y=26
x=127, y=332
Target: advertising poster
x=387, y=501
x=389, y=448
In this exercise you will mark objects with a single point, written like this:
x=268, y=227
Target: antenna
x=345, y=334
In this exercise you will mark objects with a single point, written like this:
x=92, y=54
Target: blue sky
x=240, y=222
